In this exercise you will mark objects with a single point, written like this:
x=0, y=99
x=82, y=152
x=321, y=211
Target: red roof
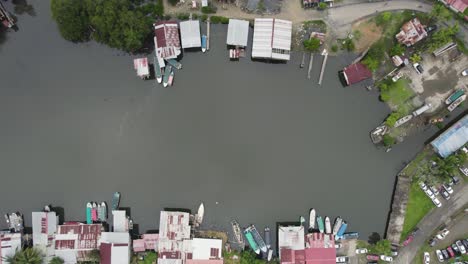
x=355, y=73
x=166, y=38
x=106, y=253
x=459, y=5
x=320, y=255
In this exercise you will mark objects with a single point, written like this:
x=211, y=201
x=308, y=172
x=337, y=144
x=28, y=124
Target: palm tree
x=25, y=256
x=56, y=260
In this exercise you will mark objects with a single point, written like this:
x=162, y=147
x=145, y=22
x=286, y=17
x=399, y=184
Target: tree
x=415, y=58
x=383, y=18
x=446, y=167
x=71, y=18
x=440, y=12
x=442, y=37
x=392, y=118
x=388, y=140
x=322, y=6
x=374, y=238
x=56, y=260
x=25, y=256
x=312, y=44
x=94, y=256
x=398, y=49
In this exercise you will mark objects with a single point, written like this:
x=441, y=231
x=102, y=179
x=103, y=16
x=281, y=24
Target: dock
x=208, y=34
x=325, y=54
x=175, y=63
x=311, y=61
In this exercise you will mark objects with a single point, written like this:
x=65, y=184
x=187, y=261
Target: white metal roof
x=190, y=34
x=238, y=32
x=272, y=38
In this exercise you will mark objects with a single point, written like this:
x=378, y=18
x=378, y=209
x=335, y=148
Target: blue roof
x=452, y=139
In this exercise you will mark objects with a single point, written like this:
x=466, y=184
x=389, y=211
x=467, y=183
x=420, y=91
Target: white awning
x=238, y=32
x=190, y=34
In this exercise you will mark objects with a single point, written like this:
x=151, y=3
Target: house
x=452, y=139
x=272, y=39
x=355, y=73
x=190, y=34
x=174, y=228
x=120, y=221
x=9, y=244
x=142, y=68
x=458, y=6
x=114, y=248
x=74, y=241
x=320, y=249
x=44, y=228
x=203, y=251
x=166, y=39
x=411, y=32
x=146, y=242
x=238, y=33
x=291, y=237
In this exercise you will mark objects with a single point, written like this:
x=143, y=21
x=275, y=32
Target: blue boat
x=258, y=238
x=267, y=237
x=341, y=231
x=351, y=235
x=320, y=224
x=115, y=201
x=203, y=43
x=89, y=219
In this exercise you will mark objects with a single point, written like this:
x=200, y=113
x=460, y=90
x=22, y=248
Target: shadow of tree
x=22, y=6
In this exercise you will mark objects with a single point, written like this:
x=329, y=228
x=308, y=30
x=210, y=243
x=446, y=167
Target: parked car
x=341, y=259
x=432, y=242
x=465, y=243
x=464, y=170
x=455, y=248
x=455, y=180
x=408, y=240
x=464, y=72
x=451, y=252
x=372, y=257
x=434, y=190
x=440, y=257
x=445, y=253
x=427, y=258
x=431, y=28
x=448, y=188
x=419, y=69
x=437, y=202
x=386, y=258
x=444, y=194
x=361, y=250
x=442, y=234
x=461, y=247
x=423, y=186
x=429, y=194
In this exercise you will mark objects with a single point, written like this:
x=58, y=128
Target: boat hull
x=312, y=219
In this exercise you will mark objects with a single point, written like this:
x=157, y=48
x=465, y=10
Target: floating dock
x=208, y=34
x=324, y=63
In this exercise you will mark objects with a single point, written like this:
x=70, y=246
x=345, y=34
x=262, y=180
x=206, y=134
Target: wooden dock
x=208, y=34
x=325, y=54
x=311, y=61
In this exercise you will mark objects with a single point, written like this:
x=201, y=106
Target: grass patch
x=316, y=25
x=149, y=259
x=395, y=93
x=418, y=206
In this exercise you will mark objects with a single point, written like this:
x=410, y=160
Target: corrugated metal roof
x=291, y=237
x=272, y=38
x=452, y=139
x=166, y=39
x=190, y=34
x=238, y=32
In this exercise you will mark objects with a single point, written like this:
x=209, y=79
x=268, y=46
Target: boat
x=116, y=201
x=89, y=207
x=167, y=73
x=403, y=120
x=341, y=231
x=238, y=233
x=130, y=223
x=267, y=237
x=102, y=212
x=200, y=213
x=270, y=254
x=337, y=225
x=94, y=215
x=312, y=219
x=14, y=221
x=328, y=229
x=157, y=70
x=302, y=220
x=203, y=43
x=456, y=103
x=175, y=64
x=248, y=235
x=171, y=78
x=454, y=96
x=258, y=238
x=351, y=235
x=320, y=224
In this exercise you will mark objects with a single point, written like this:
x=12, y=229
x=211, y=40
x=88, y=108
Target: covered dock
x=166, y=39
x=272, y=39
x=238, y=33
x=190, y=34
x=452, y=139
x=142, y=68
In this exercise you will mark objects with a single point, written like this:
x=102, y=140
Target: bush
x=415, y=58
x=322, y=6
x=219, y=19
x=383, y=18
x=173, y=2
x=392, y=118
x=334, y=48
x=208, y=9
x=204, y=17
x=183, y=16
x=388, y=140
x=312, y=44
x=398, y=49
x=348, y=44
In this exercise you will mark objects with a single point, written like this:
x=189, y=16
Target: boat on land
x=175, y=64
x=167, y=73
x=270, y=254
x=351, y=235
x=89, y=207
x=102, y=212
x=312, y=219
x=157, y=70
x=250, y=239
x=403, y=120
x=171, y=78
x=258, y=238
x=454, y=96
x=456, y=103
x=200, y=214
x=203, y=43
x=341, y=231
x=116, y=201
x=237, y=233
x=328, y=229
x=320, y=224
x=267, y=237
x=337, y=225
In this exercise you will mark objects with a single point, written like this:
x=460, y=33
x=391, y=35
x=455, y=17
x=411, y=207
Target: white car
x=423, y=186
x=436, y=202
x=341, y=259
x=440, y=257
x=429, y=193
x=464, y=170
x=465, y=72
x=461, y=247
x=386, y=258
x=434, y=190
x=361, y=250
x=443, y=234
x=418, y=68
x=427, y=258
x=448, y=188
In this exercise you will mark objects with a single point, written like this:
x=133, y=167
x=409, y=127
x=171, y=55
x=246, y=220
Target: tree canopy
x=25, y=256
x=312, y=44
x=440, y=12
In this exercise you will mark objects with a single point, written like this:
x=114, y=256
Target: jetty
x=311, y=61
x=325, y=54
x=208, y=34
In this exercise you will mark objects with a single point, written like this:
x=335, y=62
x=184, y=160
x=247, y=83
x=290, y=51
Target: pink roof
x=106, y=253
x=411, y=32
x=139, y=245
x=355, y=73
x=459, y=5
x=205, y=261
x=320, y=255
x=166, y=39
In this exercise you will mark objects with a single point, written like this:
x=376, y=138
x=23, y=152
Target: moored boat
x=115, y=201
x=454, y=96
x=337, y=225
x=167, y=73
x=403, y=120
x=302, y=220
x=175, y=64
x=312, y=219
x=200, y=214
x=89, y=207
x=238, y=233
x=171, y=78
x=270, y=254
x=94, y=212
x=320, y=224
x=203, y=43
x=456, y=103
x=258, y=238
x=251, y=241
x=267, y=237
x=157, y=70
x=341, y=231
x=351, y=235
x=328, y=229
x=102, y=212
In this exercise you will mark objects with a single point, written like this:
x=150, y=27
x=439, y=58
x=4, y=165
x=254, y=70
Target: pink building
x=147, y=242
x=174, y=228
x=457, y=5
x=319, y=249
x=115, y=248
x=74, y=240
x=166, y=39
x=9, y=244
x=411, y=32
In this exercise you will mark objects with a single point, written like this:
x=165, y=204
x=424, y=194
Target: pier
x=324, y=53
x=311, y=61
x=208, y=34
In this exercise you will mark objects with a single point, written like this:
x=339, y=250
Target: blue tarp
x=452, y=139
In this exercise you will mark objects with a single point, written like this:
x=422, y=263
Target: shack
x=272, y=39
x=166, y=39
x=190, y=34
x=238, y=32
x=355, y=73
x=142, y=68
x=452, y=139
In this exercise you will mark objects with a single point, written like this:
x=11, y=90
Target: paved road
x=342, y=17
x=434, y=219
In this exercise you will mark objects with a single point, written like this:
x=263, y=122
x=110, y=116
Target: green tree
x=56, y=260
x=415, y=58
x=398, y=49
x=388, y=140
x=392, y=118
x=312, y=44
x=71, y=18
x=334, y=48
x=440, y=12
x=442, y=37
x=383, y=18
x=322, y=6
x=25, y=256
x=446, y=167
x=94, y=256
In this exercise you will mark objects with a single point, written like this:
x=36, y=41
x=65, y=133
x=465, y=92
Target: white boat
x=238, y=233
x=312, y=219
x=403, y=120
x=337, y=225
x=302, y=220
x=200, y=213
x=456, y=103
x=270, y=254
x=328, y=229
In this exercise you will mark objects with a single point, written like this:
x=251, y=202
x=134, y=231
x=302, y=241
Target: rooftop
x=238, y=32
x=190, y=34
x=452, y=139
x=272, y=38
x=355, y=73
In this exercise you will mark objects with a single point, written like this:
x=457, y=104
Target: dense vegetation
x=122, y=24
x=446, y=167
x=312, y=44
x=25, y=256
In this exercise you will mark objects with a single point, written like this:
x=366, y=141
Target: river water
x=254, y=141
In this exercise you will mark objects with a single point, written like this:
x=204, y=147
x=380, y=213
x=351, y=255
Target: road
x=433, y=220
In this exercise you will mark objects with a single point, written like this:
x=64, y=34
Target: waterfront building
x=238, y=33
x=291, y=237
x=411, y=32
x=44, y=228
x=190, y=34
x=141, y=67
x=320, y=249
x=166, y=39
x=174, y=228
x=74, y=241
x=9, y=244
x=203, y=251
x=120, y=221
x=114, y=248
x=146, y=242
x=355, y=73
x=452, y=139
x=272, y=39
